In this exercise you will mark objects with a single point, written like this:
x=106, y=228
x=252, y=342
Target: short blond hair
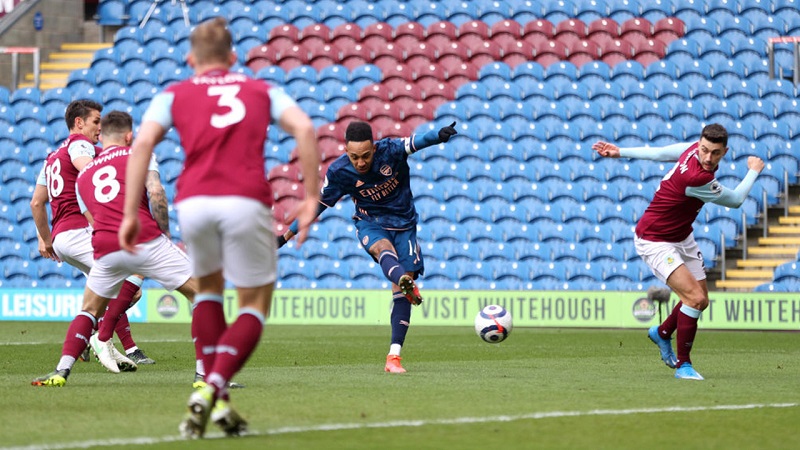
x=212, y=41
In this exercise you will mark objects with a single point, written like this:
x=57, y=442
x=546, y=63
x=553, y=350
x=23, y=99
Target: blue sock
x=401, y=316
x=391, y=266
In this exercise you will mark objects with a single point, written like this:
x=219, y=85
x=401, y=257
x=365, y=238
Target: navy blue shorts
x=405, y=243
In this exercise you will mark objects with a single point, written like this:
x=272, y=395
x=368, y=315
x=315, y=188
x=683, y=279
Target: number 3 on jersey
x=106, y=186
x=228, y=99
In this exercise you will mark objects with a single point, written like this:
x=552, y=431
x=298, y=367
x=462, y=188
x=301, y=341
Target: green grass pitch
x=323, y=387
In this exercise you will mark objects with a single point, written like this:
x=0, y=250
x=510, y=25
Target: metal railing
x=15, y=52
x=795, y=41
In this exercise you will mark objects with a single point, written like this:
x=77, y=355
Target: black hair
x=80, y=108
x=358, y=131
x=716, y=134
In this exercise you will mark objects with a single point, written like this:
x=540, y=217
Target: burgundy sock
x=78, y=333
x=687, y=329
x=115, y=309
x=236, y=346
x=670, y=323
x=208, y=325
x=123, y=330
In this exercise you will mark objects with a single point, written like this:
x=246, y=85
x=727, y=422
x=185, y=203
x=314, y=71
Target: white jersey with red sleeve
x=101, y=186
x=222, y=118
x=58, y=175
x=670, y=215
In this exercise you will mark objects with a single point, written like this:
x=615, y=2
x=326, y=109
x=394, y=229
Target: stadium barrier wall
x=568, y=309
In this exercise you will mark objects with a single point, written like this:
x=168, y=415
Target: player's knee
x=697, y=301
x=95, y=307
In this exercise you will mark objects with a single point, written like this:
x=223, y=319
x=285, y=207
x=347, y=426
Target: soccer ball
x=493, y=324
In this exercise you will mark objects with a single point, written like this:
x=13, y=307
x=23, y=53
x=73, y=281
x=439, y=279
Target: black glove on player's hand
x=446, y=132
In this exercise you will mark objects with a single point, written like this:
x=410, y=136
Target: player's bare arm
x=298, y=124
x=39, y=213
x=158, y=201
x=135, y=175
x=81, y=162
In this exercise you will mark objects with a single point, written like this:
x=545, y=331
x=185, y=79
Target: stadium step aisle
x=55, y=70
x=772, y=262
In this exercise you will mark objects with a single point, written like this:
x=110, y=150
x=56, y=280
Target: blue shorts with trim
x=405, y=243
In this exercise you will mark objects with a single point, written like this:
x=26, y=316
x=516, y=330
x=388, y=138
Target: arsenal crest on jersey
x=386, y=170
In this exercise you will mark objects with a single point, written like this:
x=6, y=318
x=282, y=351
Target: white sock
x=198, y=367
x=394, y=349
x=128, y=351
x=66, y=362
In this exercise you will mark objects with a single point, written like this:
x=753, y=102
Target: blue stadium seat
x=604, y=251
x=624, y=10
x=529, y=70
x=595, y=70
x=787, y=163
x=680, y=107
x=11, y=137
x=585, y=275
x=628, y=72
x=497, y=72
x=540, y=271
x=564, y=70
x=36, y=131
x=721, y=111
x=133, y=34
x=765, y=26
x=666, y=89
x=553, y=233
x=16, y=262
x=604, y=92
x=156, y=30
x=620, y=212
x=532, y=89
x=26, y=97
x=160, y=49
x=789, y=270
x=698, y=71
x=662, y=71
x=129, y=52
x=706, y=91
x=741, y=128
x=574, y=89
x=8, y=114
x=30, y=113
x=742, y=91
x=786, y=108
x=273, y=74
x=751, y=45
x=502, y=210
x=503, y=91
x=777, y=90
x=460, y=12
x=57, y=95
x=537, y=251
x=621, y=109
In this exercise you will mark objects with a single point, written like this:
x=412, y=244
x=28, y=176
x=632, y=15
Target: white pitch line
x=407, y=423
